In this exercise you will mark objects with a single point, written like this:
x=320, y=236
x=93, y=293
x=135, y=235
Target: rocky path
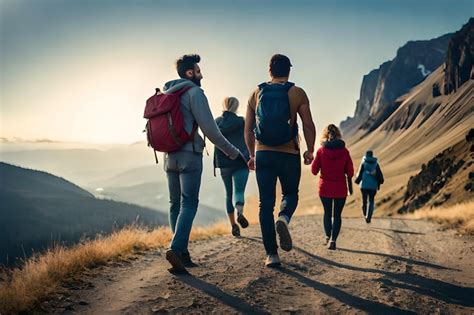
x=390, y=266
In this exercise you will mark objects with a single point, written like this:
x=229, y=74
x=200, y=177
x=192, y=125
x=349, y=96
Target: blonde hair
x=331, y=132
x=230, y=104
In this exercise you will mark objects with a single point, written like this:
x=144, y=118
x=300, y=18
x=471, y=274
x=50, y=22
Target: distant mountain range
x=126, y=173
x=39, y=209
x=81, y=165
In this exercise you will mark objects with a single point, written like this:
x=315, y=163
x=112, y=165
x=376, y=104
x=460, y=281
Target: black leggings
x=332, y=208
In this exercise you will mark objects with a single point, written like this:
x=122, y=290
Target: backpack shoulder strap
x=289, y=85
x=263, y=85
x=182, y=91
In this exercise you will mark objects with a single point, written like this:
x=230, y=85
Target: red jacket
x=334, y=162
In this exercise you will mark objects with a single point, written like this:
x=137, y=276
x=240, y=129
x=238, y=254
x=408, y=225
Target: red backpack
x=165, y=125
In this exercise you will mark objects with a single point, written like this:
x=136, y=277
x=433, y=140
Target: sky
x=82, y=70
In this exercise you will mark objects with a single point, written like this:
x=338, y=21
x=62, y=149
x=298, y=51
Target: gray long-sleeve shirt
x=195, y=108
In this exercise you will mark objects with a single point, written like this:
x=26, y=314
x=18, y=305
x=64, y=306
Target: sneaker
x=235, y=230
x=177, y=265
x=332, y=245
x=327, y=240
x=367, y=220
x=273, y=261
x=242, y=221
x=284, y=234
x=187, y=262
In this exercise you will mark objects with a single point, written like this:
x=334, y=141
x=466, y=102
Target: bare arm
x=309, y=130
x=249, y=135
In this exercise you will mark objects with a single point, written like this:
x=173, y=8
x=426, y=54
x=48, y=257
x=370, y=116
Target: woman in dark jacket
x=370, y=178
x=234, y=173
x=335, y=164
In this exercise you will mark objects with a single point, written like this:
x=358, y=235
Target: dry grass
x=251, y=209
x=42, y=275
x=460, y=216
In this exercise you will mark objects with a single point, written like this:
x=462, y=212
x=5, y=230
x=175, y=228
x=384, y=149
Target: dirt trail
x=390, y=266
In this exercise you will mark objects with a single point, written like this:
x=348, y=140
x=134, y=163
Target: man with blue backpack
x=271, y=135
x=370, y=178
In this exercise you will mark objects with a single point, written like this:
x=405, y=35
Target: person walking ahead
x=370, y=178
x=234, y=173
x=271, y=120
x=335, y=164
x=184, y=166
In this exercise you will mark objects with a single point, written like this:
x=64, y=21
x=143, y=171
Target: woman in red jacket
x=335, y=164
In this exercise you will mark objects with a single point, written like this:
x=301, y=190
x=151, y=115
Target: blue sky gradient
x=82, y=70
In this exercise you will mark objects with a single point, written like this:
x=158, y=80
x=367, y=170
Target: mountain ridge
x=39, y=209
x=412, y=63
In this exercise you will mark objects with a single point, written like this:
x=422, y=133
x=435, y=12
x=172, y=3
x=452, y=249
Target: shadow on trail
x=394, y=257
x=234, y=302
x=437, y=289
x=399, y=231
x=444, y=291
x=344, y=297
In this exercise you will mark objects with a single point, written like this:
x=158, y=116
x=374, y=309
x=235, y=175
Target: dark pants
x=333, y=208
x=368, y=194
x=270, y=166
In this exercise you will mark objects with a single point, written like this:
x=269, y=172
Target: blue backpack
x=273, y=116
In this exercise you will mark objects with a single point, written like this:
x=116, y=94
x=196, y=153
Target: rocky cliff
x=460, y=58
x=381, y=87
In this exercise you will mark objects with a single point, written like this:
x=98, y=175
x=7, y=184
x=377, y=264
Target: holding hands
x=251, y=163
x=308, y=157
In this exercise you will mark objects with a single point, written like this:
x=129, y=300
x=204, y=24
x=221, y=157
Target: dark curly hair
x=186, y=63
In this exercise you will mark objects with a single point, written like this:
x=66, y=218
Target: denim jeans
x=184, y=170
x=332, y=208
x=235, y=180
x=370, y=194
x=270, y=166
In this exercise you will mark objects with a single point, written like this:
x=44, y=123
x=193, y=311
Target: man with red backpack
x=271, y=121
x=184, y=166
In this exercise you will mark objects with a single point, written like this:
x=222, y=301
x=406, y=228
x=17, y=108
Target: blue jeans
x=235, y=180
x=270, y=166
x=184, y=170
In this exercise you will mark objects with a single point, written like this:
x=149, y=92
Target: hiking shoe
x=367, y=220
x=177, y=265
x=187, y=262
x=284, y=234
x=242, y=221
x=235, y=230
x=273, y=261
x=332, y=245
